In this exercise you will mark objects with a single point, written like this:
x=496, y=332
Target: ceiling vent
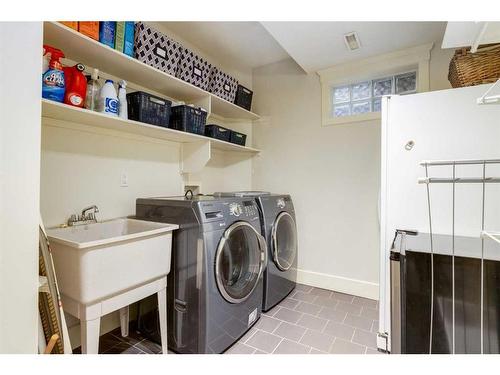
x=352, y=41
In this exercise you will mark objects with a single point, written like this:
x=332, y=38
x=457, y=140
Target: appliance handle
x=263, y=250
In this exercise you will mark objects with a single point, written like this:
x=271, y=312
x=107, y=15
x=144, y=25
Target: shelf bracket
x=194, y=156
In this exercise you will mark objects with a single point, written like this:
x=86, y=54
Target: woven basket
x=470, y=69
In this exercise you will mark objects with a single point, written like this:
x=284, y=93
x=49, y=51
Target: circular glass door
x=239, y=261
x=284, y=240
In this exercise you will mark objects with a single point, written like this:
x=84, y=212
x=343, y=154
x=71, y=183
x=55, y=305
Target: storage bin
x=156, y=49
x=243, y=97
x=218, y=132
x=188, y=119
x=148, y=108
x=470, y=69
x=194, y=69
x=222, y=84
x=238, y=138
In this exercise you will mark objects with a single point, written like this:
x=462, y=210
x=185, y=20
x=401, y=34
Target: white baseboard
x=338, y=283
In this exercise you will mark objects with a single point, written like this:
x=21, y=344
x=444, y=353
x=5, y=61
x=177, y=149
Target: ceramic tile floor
x=309, y=321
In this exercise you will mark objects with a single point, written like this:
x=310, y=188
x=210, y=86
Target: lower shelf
x=72, y=115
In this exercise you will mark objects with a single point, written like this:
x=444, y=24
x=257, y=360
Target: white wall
x=332, y=173
x=20, y=90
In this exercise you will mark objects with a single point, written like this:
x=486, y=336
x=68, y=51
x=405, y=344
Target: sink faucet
x=92, y=214
x=84, y=218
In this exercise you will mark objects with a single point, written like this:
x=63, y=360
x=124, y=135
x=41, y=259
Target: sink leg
x=89, y=330
x=124, y=319
x=162, y=309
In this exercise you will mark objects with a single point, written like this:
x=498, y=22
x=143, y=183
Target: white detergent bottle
x=108, y=100
x=122, y=100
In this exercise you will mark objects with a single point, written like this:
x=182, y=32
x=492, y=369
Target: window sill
x=371, y=116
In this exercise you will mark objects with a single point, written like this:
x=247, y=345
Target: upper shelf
x=86, y=50
x=72, y=115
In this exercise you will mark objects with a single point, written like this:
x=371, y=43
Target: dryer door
x=239, y=262
x=284, y=241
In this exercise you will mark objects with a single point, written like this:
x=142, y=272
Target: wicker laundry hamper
x=470, y=69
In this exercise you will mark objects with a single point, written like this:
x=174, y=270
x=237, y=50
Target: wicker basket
x=470, y=69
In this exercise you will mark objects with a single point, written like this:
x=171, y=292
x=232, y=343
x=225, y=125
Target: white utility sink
x=97, y=260
x=107, y=232
x=105, y=266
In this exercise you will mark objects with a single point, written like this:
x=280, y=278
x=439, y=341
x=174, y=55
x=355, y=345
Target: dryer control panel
x=250, y=208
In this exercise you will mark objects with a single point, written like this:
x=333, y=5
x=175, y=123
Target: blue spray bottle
x=53, y=83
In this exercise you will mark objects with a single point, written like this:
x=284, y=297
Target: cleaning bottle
x=46, y=60
x=76, y=85
x=122, y=100
x=108, y=101
x=93, y=89
x=53, y=84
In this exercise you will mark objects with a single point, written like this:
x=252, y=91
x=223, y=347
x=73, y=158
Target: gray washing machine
x=214, y=289
x=278, y=226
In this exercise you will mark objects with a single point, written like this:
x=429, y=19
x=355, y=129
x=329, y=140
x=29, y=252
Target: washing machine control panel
x=245, y=209
x=235, y=209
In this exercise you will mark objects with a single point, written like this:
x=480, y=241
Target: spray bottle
x=93, y=90
x=122, y=100
x=76, y=85
x=53, y=83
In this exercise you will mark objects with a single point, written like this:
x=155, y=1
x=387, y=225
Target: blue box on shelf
x=107, y=31
x=128, y=45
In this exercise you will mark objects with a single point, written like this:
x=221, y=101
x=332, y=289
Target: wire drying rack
x=484, y=235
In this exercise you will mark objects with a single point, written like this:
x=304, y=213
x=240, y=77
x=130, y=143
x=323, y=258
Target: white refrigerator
x=439, y=125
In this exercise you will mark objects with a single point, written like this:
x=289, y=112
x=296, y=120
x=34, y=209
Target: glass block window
x=365, y=96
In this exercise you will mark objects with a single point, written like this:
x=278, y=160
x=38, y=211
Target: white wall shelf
x=81, y=48
x=73, y=117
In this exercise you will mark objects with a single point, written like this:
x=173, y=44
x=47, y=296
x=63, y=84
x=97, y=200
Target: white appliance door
x=444, y=125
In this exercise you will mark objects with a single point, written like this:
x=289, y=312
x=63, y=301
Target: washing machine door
x=239, y=262
x=284, y=241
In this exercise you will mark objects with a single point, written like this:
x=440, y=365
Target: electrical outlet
x=124, y=180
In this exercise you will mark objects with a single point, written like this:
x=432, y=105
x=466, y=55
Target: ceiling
x=313, y=45
x=464, y=34
x=318, y=45
x=244, y=45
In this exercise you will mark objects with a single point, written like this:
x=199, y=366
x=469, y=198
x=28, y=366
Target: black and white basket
x=156, y=49
x=194, y=69
x=222, y=84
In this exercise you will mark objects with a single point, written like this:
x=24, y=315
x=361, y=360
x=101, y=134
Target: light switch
x=124, y=180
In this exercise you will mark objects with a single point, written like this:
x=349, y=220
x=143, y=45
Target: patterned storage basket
x=222, y=84
x=194, y=69
x=470, y=69
x=156, y=49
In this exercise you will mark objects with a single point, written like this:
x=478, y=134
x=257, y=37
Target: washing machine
x=214, y=288
x=278, y=226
